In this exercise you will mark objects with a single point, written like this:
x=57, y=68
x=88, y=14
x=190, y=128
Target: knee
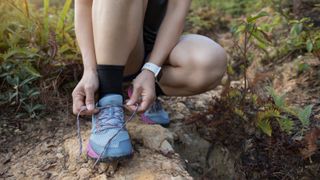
x=209, y=62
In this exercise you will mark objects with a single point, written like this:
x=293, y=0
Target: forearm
x=84, y=33
x=170, y=30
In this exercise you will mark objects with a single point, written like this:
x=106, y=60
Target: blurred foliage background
x=40, y=59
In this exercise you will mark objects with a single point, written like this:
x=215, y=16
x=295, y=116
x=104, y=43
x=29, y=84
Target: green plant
x=280, y=112
x=31, y=41
x=248, y=34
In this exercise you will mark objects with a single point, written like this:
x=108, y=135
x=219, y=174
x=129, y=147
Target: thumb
x=134, y=97
x=89, y=98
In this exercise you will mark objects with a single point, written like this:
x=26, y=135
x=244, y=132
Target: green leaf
x=265, y=126
x=37, y=107
x=240, y=29
x=279, y=100
x=29, y=68
x=34, y=93
x=230, y=70
x=45, y=32
x=304, y=115
x=303, y=67
x=14, y=81
x=28, y=80
x=296, y=29
x=259, y=36
x=23, y=52
x=63, y=15
x=317, y=44
x=309, y=45
x=286, y=124
x=254, y=18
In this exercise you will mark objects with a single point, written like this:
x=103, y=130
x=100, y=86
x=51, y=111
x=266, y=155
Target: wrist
x=88, y=71
x=146, y=71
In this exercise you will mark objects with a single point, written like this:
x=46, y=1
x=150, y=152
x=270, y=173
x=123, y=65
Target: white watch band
x=152, y=67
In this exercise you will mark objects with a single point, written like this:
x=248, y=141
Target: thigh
x=195, y=65
x=194, y=50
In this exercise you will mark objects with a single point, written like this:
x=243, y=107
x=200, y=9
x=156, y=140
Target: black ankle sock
x=110, y=79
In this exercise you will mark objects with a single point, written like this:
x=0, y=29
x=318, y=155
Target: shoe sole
x=93, y=155
x=112, y=159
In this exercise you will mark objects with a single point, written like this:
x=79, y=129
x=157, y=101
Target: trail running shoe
x=109, y=138
x=155, y=114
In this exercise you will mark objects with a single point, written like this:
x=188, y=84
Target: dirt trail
x=56, y=157
x=51, y=152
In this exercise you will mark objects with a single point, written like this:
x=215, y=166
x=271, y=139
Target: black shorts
x=155, y=13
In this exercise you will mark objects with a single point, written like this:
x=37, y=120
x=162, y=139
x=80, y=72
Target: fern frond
x=264, y=125
x=263, y=120
x=286, y=124
x=279, y=100
x=304, y=115
x=240, y=113
x=268, y=114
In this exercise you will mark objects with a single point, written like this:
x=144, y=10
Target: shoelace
x=102, y=121
x=108, y=143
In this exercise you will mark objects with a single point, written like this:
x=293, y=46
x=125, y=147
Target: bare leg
x=195, y=65
x=117, y=26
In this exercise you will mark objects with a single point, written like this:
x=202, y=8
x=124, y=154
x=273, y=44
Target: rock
x=191, y=147
x=178, y=178
x=152, y=136
x=221, y=163
x=166, y=148
x=178, y=111
x=166, y=165
x=100, y=177
x=200, y=105
x=69, y=178
x=60, y=155
x=84, y=173
x=176, y=116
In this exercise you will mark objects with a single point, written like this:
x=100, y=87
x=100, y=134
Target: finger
x=89, y=113
x=145, y=104
x=131, y=108
x=135, y=96
x=89, y=98
x=78, y=102
x=84, y=111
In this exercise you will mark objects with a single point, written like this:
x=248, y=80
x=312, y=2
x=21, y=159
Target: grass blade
x=62, y=16
x=45, y=32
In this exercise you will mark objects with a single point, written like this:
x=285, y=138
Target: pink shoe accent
x=91, y=153
x=144, y=118
x=147, y=120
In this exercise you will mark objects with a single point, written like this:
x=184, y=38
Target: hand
x=83, y=94
x=143, y=91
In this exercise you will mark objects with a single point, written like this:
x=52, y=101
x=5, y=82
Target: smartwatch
x=153, y=68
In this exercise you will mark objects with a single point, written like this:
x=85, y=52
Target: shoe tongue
x=111, y=99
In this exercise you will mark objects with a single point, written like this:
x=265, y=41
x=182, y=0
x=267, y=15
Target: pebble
x=166, y=147
x=84, y=173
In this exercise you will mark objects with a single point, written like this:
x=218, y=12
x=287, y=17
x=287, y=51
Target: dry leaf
x=311, y=142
